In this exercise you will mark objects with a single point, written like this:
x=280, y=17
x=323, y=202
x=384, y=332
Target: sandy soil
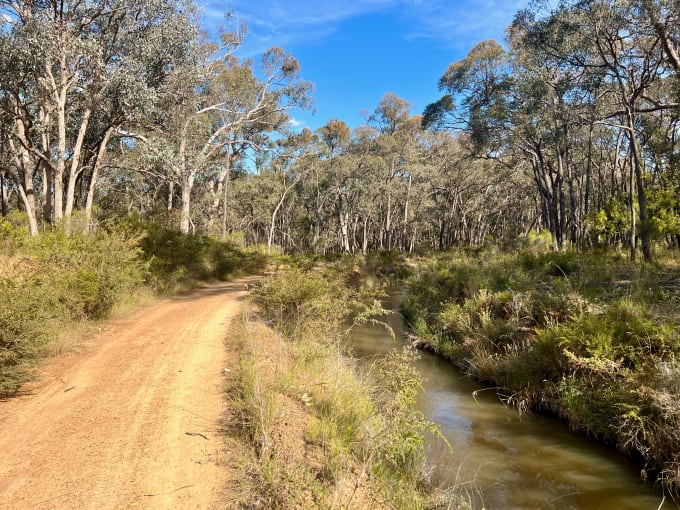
x=130, y=421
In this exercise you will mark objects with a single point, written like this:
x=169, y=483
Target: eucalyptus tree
x=332, y=187
x=396, y=145
x=629, y=57
x=551, y=106
x=480, y=83
x=18, y=88
x=215, y=103
x=490, y=111
x=291, y=166
x=663, y=16
x=75, y=71
x=366, y=185
x=318, y=190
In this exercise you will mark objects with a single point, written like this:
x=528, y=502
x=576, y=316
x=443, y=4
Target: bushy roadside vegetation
x=49, y=281
x=592, y=339
x=360, y=441
x=52, y=282
x=177, y=261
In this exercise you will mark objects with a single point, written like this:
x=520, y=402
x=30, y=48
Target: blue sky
x=355, y=51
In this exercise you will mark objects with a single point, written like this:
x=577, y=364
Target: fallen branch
x=167, y=493
x=196, y=434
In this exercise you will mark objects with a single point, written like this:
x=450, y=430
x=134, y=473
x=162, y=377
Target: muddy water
x=504, y=461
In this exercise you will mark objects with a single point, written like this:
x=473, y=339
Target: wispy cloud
x=460, y=24
x=304, y=13
x=296, y=124
x=289, y=22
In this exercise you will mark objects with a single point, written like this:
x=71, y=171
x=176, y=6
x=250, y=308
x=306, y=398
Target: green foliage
x=22, y=330
x=300, y=301
x=13, y=228
x=400, y=442
x=368, y=419
x=391, y=264
x=88, y=274
x=584, y=336
x=541, y=241
x=55, y=279
x=555, y=263
x=612, y=220
x=624, y=334
x=177, y=260
x=664, y=212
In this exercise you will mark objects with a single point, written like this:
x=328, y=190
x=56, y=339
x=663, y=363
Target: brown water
x=505, y=461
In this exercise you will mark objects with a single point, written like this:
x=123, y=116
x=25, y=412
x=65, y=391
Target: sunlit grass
x=580, y=335
x=362, y=439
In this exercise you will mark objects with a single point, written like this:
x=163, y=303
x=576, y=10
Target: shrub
x=87, y=274
x=588, y=337
x=53, y=278
x=176, y=259
x=300, y=301
x=22, y=330
x=56, y=279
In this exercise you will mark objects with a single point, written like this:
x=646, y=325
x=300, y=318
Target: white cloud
x=304, y=13
x=452, y=23
x=462, y=24
x=297, y=125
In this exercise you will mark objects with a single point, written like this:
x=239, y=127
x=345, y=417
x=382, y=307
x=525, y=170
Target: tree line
x=124, y=107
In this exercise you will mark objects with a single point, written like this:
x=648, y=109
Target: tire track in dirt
x=106, y=428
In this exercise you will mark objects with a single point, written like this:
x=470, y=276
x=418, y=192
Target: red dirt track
x=130, y=421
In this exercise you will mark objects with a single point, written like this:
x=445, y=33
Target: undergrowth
x=176, y=262
x=360, y=441
x=54, y=283
x=53, y=280
x=590, y=338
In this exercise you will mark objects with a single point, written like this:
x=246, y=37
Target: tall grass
x=361, y=441
x=590, y=338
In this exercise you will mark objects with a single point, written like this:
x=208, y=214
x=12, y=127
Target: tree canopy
x=570, y=126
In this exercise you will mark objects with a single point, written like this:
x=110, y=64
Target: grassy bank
x=318, y=431
x=53, y=286
x=592, y=339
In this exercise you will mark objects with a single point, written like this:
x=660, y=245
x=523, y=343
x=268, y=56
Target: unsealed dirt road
x=130, y=421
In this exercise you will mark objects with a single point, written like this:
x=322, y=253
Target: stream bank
x=588, y=337
x=502, y=459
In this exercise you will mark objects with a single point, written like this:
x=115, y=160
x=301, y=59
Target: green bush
x=22, y=330
x=53, y=278
x=176, y=259
x=86, y=274
x=298, y=301
x=56, y=279
x=584, y=336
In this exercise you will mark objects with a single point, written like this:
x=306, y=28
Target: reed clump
x=590, y=338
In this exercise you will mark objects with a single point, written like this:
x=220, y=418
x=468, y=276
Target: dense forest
x=116, y=108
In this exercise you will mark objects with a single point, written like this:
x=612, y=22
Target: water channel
x=505, y=461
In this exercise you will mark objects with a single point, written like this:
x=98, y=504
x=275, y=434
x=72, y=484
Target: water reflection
x=508, y=461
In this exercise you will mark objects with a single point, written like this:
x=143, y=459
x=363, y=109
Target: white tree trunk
x=185, y=210
x=93, y=179
x=76, y=168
